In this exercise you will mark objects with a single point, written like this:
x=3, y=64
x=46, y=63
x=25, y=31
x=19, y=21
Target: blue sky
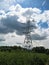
x=13, y=18
x=41, y=4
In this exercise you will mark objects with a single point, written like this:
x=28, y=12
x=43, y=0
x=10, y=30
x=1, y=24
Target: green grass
x=22, y=57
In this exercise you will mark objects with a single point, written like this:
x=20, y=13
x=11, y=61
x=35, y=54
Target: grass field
x=23, y=57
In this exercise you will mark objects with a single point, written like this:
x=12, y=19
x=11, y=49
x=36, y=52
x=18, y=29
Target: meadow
x=20, y=56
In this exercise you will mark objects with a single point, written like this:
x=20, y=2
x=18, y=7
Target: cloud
x=2, y=39
x=1, y=0
x=20, y=1
x=15, y=20
x=4, y=4
x=11, y=39
x=38, y=37
x=12, y=21
x=10, y=24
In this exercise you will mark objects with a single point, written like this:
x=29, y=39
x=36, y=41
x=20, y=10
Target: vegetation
x=20, y=56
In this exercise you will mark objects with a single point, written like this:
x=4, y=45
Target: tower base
x=28, y=46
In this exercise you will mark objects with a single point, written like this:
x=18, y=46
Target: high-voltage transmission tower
x=28, y=29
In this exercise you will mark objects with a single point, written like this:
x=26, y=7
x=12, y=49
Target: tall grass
x=23, y=57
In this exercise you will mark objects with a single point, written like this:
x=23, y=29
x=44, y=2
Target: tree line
x=34, y=49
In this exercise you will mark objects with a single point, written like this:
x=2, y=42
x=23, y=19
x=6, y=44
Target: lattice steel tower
x=28, y=38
